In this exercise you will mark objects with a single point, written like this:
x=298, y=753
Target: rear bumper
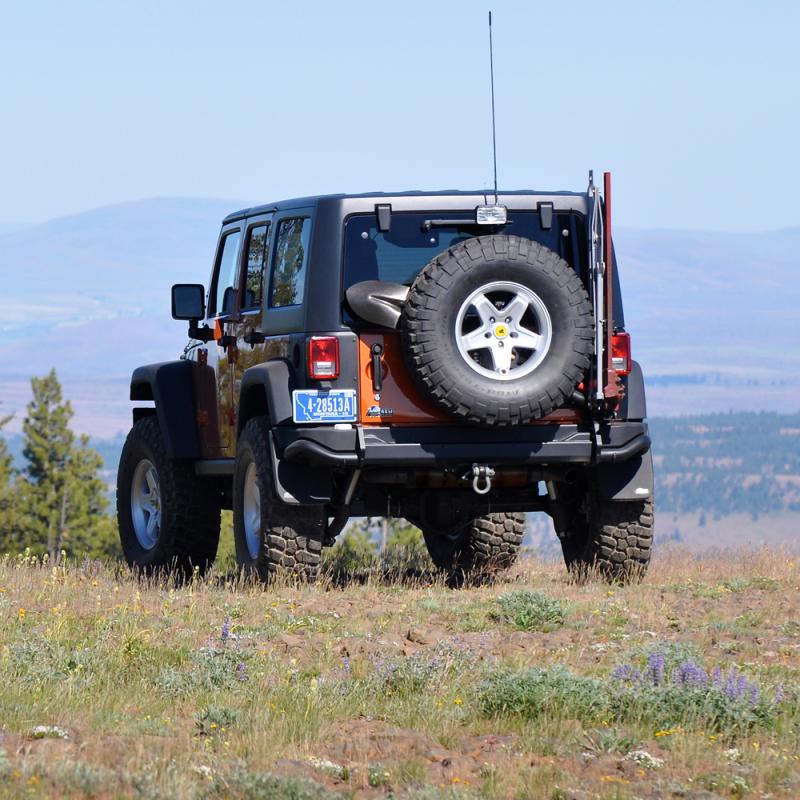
x=432, y=446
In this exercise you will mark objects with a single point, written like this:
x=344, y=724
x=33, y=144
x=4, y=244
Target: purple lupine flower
x=737, y=687
x=241, y=671
x=716, y=676
x=226, y=630
x=780, y=694
x=742, y=687
x=626, y=672
x=655, y=667
x=689, y=673
x=755, y=695
x=731, y=686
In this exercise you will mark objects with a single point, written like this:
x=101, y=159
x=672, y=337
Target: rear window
x=398, y=255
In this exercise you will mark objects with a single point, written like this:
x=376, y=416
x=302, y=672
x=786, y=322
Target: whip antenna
x=494, y=135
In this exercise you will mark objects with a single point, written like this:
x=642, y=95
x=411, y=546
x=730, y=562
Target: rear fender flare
x=627, y=480
x=634, y=405
x=266, y=389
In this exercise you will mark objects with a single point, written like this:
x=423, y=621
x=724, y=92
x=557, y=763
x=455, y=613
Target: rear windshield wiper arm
x=457, y=223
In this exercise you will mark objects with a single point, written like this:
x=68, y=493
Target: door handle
x=377, y=367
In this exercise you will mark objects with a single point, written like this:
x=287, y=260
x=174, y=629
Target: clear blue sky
x=695, y=107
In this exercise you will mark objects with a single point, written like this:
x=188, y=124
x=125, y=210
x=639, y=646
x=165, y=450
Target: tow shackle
x=482, y=475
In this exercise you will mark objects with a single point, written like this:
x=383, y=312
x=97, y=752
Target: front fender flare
x=170, y=386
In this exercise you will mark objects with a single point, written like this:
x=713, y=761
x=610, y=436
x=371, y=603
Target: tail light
x=621, y=353
x=323, y=357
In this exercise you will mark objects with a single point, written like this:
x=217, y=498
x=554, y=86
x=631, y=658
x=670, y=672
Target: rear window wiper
x=459, y=223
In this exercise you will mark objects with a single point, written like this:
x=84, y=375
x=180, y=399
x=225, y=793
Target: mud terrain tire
x=272, y=538
x=437, y=342
x=184, y=533
x=614, y=539
x=489, y=543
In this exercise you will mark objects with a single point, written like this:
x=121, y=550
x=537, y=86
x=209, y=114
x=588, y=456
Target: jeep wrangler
x=453, y=358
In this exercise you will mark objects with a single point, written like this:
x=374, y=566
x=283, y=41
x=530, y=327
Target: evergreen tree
x=63, y=499
x=7, y=504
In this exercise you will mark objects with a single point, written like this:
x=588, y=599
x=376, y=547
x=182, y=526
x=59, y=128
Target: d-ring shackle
x=482, y=472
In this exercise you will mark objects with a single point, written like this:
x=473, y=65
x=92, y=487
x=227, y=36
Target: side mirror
x=188, y=301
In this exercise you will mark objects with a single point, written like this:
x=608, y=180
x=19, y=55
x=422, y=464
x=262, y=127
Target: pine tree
x=7, y=504
x=63, y=497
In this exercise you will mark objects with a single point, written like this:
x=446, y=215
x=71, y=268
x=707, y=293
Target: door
x=271, y=288
x=223, y=310
x=247, y=327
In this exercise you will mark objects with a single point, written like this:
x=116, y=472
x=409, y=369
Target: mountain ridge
x=88, y=293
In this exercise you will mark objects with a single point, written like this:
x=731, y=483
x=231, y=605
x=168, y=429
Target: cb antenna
x=494, y=134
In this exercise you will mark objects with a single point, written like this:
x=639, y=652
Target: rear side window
x=289, y=263
x=226, y=275
x=256, y=258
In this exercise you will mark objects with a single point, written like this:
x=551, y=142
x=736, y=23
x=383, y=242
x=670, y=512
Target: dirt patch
x=364, y=745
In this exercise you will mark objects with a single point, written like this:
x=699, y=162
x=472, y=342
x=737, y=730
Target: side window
x=289, y=264
x=226, y=275
x=256, y=257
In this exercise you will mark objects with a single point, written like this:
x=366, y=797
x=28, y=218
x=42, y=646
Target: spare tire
x=498, y=330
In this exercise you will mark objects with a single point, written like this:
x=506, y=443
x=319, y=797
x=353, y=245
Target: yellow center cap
x=501, y=331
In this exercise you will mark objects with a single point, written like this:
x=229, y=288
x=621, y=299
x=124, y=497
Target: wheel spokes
x=152, y=482
x=146, y=504
x=486, y=309
x=510, y=321
x=152, y=522
x=478, y=339
x=515, y=310
x=526, y=339
x=501, y=357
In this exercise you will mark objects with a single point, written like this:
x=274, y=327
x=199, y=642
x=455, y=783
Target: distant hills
x=714, y=317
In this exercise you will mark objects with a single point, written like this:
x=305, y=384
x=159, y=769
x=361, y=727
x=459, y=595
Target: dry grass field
x=528, y=687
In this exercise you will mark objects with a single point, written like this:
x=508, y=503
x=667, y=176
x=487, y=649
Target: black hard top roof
x=297, y=202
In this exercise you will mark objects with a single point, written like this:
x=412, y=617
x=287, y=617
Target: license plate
x=320, y=405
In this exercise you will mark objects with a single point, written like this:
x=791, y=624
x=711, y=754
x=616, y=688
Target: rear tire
x=168, y=519
x=271, y=537
x=490, y=543
x=614, y=539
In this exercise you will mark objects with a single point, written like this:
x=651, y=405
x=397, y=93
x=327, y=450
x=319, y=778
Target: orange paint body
x=401, y=402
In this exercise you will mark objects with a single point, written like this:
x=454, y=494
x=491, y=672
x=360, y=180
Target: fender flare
x=170, y=385
x=266, y=388
x=634, y=404
x=627, y=480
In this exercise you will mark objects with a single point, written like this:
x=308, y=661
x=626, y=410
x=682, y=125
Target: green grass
x=398, y=687
x=529, y=610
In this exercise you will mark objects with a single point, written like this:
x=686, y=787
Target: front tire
x=271, y=538
x=490, y=543
x=168, y=519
